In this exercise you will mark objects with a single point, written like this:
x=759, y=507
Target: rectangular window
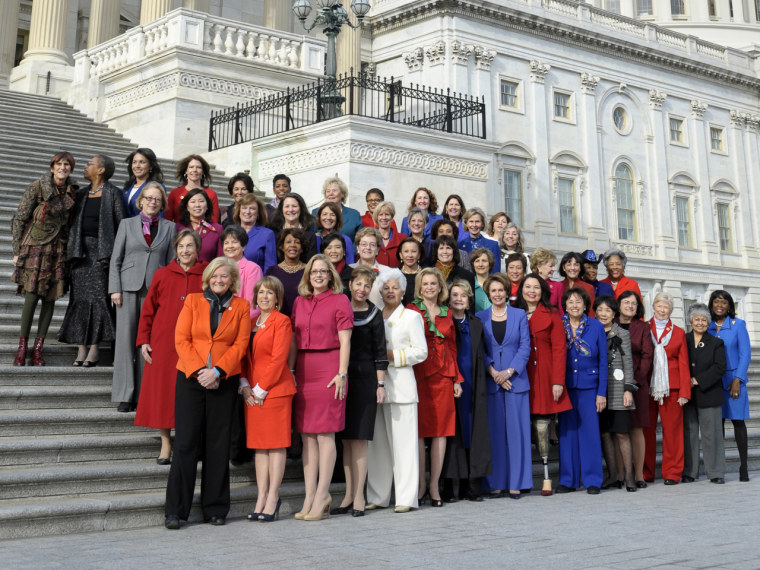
x=562, y=105
x=712, y=9
x=566, y=205
x=644, y=7
x=684, y=221
x=724, y=227
x=612, y=6
x=676, y=130
x=626, y=209
x=513, y=195
x=508, y=93
x=677, y=8
x=716, y=139
x=757, y=10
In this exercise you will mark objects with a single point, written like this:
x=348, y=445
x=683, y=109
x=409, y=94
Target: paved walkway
x=700, y=525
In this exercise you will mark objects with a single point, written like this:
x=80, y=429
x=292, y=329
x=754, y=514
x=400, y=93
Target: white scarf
x=659, y=387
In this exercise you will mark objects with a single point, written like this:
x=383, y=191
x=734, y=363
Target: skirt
x=41, y=269
x=89, y=317
x=316, y=408
x=361, y=401
x=435, y=409
x=615, y=421
x=268, y=426
x=640, y=416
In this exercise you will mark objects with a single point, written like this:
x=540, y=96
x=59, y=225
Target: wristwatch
x=342, y=376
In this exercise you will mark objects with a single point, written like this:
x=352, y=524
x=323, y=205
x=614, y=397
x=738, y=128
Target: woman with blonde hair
x=390, y=237
x=322, y=321
x=335, y=191
x=542, y=261
x=425, y=201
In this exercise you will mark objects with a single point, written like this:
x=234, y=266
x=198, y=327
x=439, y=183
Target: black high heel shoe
x=341, y=510
x=436, y=502
x=424, y=498
x=263, y=517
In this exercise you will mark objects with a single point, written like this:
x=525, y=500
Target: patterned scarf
x=659, y=386
x=147, y=221
x=444, y=268
x=575, y=340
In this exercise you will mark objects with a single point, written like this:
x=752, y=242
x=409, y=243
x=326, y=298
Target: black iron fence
x=362, y=95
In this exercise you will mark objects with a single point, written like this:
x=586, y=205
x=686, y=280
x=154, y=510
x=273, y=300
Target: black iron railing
x=362, y=95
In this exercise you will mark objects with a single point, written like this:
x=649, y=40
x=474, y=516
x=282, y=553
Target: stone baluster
x=208, y=44
x=283, y=54
x=240, y=45
x=164, y=37
x=228, y=43
x=293, y=55
x=218, y=42
x=250, y=50
x=261, y=52
x=272, y=56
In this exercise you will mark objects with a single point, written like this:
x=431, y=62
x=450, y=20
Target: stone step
x=27, y=423
x=45, y=397
x=56, y=355
x=52, y=376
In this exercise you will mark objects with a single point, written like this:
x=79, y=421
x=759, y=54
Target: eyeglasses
x=374, y=200
x=319, y=272
x=366, y=245
x=152, y=199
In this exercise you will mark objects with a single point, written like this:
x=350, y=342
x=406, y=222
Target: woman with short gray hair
x=615, y=260
x=703, y=414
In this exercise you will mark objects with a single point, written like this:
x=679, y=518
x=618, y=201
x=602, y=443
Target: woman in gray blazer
x=616, y=417
x=143, y=244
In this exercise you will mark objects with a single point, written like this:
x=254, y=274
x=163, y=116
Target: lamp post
x=331, y=17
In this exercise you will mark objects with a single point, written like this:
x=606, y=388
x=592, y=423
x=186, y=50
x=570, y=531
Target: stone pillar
x=47, y=32
x=197, y=5
x=591, y=184
x=151, y=10
x=8, y=35
x=104, y=22
x=538, y=212
x=661, y=221
x=277, y=14
x=349, y=48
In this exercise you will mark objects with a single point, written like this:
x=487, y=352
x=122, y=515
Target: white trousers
x=393, y=456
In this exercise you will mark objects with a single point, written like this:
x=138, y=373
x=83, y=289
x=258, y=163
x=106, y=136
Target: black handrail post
x=448, y=111
x=393, y=101
x=238, y=134
x=288, y=117
x=211, y=132
x=351, y=93
x=483, y=114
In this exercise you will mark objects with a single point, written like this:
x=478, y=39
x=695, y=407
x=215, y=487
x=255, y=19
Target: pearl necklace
x=493, y=314
x=98, y=189
x=261, y=325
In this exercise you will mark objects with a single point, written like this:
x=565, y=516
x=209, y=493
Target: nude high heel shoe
x=325, y=507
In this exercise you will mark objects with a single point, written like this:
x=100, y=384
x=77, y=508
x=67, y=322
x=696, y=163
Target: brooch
x=701, y=345
x=618, y=374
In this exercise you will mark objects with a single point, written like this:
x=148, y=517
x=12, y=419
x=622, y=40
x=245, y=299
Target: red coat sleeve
x=559, y=349
x=148, y=311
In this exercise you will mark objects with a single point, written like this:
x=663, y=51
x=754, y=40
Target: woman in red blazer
x=211, y=338
x=615, y=261
x=546, y=365
x=268, y=387
x=670, y=388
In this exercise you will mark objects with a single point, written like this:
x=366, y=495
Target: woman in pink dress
x=542, y=261
x=322, y=321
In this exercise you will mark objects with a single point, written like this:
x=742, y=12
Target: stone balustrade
x=187, y=29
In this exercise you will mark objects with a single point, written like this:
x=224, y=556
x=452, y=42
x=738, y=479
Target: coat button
x=535, y=363
x=575, y=371
x=181, y=298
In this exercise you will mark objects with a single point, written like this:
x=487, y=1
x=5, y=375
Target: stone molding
x=436, y=52
x=538, y=71
x=484, y=57
x=414, y=59
x=698, y=109
x=635, y=248
x=374, y=154
x=656, y=99
x=589, y=82
x=460, y=52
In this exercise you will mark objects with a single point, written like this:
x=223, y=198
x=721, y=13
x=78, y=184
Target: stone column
x=348, y=47
x=104, y=22
x=537, y=210
x=47, y=32
x=661, y=222
x=8, y=35
x=151, y=10
x=277, y=14
x=592, y=216
x=197, y=5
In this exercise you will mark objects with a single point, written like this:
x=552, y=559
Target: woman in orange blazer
x=211, y=338
x=268, y=387
x=670, y=387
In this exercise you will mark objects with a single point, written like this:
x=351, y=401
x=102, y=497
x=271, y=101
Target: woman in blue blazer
x=507, y=349
x=733, y=333
x=580, y=447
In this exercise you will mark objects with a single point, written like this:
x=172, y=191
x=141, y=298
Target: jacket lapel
x=510, y=324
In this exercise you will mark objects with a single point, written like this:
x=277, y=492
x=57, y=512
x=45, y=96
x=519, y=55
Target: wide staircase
x=69, y=462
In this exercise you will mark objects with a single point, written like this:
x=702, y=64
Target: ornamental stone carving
x=370, y=68
x=589, y=82
x=484, y=57
x=737, y=118
x=538, y=71
x=656, y=99
x=635, y=248
x=414, y=58
x=460, y=52
x=698, y=109
x=436, y=52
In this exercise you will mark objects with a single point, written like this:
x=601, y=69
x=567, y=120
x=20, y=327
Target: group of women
x=411, y=348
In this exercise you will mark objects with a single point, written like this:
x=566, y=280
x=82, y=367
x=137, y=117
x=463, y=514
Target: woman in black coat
x=445, y=256
x=468, y=453
x=703, y=412
x=98, y=211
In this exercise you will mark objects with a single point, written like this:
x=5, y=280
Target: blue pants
x=580, y=445
x=509, y=426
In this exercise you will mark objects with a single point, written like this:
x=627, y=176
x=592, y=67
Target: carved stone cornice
x=414, y=59
x=460, y=52
x=484, y=57
x=656, y=99
x=436, y=52
x=737, y=118
x=370, y=68
x=589, y=82
x=538, y=71
x=698, y=109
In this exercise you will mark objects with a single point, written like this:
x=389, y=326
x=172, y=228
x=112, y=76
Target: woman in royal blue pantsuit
x=507, y=348
x=733, y=332
x=580, y=447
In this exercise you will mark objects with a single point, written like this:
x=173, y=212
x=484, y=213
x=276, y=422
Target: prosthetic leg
x=542, y=437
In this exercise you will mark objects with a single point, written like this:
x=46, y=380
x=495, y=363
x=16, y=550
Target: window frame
x=570, y=106
x=518, y=83
x=640, y=13
x=679, y=198
x=678, y=14
x=516, y=217
x=684, y=140
x=633, y=210
x=573, y=207
x=719, y=206
x=722, y=130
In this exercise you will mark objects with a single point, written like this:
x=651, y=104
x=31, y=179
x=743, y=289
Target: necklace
x=291, y=268
x=261, y=324
x=493, y=313
x=409, y=272
x=98, y=189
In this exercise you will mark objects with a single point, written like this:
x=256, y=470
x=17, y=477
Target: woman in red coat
x=392, y=238
x=435, y=376
x=155, y=336
x=642, y=350
x=268, y=387
x=615, y=261
x=670, y=388
x=546, y=366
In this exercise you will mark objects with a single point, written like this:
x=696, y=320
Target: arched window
x=626, y=208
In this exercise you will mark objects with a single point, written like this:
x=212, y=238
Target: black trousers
x=202, y=429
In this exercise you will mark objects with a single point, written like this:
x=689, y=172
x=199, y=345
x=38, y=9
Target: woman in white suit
x=393, y=453
x=143, y=244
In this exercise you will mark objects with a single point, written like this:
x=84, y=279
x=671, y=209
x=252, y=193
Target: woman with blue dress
x=142, y=167
x=481, y=262
x=580, y=446
x=733, y=332
x=507, y=349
